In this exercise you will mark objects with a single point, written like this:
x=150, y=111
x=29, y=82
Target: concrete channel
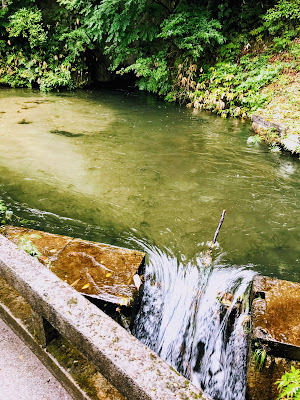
x=90, y=353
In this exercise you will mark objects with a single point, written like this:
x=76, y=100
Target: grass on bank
x=264, y=82
x=284, y=94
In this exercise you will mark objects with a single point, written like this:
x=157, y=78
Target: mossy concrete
x=67, y=364
x=276, y=332
x=94, y=269
x=282, y=109
x=276, y=314
x=133, y=369
x=260, y=125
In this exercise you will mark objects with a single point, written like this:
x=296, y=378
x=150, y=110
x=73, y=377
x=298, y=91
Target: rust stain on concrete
x=95, y=269
x=276, y=310
x=275, y=331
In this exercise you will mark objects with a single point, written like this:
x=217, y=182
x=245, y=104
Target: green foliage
x=153, y=36
x=5, y=213
x=275, y=149
x=285, y=13
x=269, y=136
x=281, y=22
x=27, y=23
x=127, y=27
x=233, y=89
x=259, y=357
x=254, y=139
x=231, y=50
x=26, y=245
x=191, y=30
x=289, y=385
x=45, y=48
x=152, y=72
x=163, y=43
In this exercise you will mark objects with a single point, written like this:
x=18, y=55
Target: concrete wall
x=133, y=369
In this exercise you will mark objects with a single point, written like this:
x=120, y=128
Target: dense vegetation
x=215, y=55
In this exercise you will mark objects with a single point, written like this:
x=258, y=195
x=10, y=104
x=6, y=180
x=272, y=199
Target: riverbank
x=233, y=59
x=262, y=85
x=282, y=111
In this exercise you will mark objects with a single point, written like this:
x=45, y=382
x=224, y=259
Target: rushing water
x=127, y=169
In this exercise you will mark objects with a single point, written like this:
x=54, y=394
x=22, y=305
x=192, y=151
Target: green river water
x=127, y=169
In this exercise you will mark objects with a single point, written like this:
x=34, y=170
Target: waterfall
x=196, y=318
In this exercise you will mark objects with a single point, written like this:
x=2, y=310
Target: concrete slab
x=22, y=375
x=94, y=269
x=275, y=338
x=132, y=368
x=276, y=315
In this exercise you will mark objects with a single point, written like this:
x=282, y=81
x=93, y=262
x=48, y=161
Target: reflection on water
x=126, y=169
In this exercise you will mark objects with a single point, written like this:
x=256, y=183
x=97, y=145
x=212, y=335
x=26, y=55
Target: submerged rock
x=24, y=122
x=66, y=133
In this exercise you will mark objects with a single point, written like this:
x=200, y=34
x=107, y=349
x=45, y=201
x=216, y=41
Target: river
x=127, y=169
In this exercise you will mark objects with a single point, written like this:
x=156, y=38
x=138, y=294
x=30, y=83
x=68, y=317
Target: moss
x=72, y=300
x=284, y=106
x=16, y=303
x=82, y=371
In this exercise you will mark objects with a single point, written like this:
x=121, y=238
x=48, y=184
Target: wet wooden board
x=94, y=269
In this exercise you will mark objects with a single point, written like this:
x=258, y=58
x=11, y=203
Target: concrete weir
x=135, y=371
x=275, y=334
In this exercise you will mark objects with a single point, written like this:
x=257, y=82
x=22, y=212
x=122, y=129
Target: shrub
x=289, y=385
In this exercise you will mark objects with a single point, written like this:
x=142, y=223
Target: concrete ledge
x=71, y=368
x=136, y=371
x=276, y=316
x=49, y=361
x=259, y=122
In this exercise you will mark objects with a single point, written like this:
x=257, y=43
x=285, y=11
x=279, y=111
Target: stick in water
x=207, y=259
x=218, y=229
